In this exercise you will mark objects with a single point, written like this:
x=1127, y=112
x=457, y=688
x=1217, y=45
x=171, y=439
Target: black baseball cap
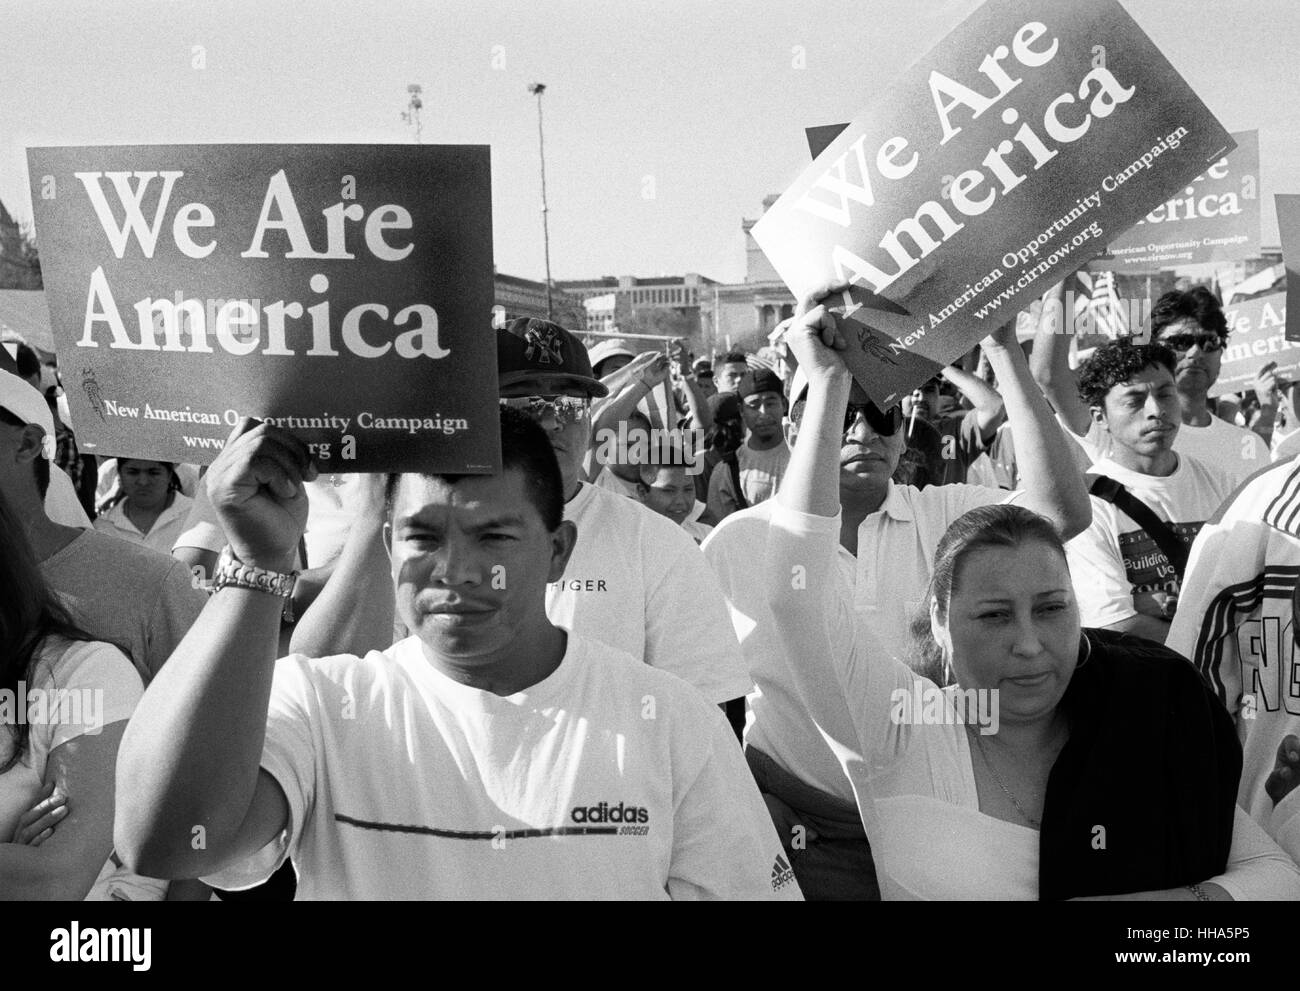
x=529, y=349
x=763, y=380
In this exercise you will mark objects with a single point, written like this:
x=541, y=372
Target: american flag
x=1097, y=306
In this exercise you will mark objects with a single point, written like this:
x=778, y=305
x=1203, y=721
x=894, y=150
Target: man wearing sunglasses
x=634, y=580
x=1192, y=325
x=888, y=535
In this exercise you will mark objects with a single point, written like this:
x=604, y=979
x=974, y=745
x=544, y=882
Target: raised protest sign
x=1288, y=226
x=343, y=292
x=1214, y=218
x=1004, y=159
x=1257, y=337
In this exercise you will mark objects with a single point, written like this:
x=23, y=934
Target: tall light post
x=537, y=89
x=411, y=115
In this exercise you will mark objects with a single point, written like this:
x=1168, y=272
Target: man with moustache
x=490, y=755
x=897, y=527
x=1123, y=579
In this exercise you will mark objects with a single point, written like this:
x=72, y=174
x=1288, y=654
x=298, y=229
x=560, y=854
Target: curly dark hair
x=1118, y=362
x=1197, y=303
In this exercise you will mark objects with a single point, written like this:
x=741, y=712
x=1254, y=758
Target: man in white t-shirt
x=1192, y=325
x=761, y=459
x=492, y=755
x=1123, y=579
x=888, y=537
x=635, y=580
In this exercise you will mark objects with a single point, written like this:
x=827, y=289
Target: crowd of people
x=720, y=628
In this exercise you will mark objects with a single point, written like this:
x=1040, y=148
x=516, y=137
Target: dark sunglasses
x=885, y=424
x=565, y=409
x=1209, y=342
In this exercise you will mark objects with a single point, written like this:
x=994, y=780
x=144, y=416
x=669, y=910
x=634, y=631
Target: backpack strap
x=1173, y=548
x=733, y=465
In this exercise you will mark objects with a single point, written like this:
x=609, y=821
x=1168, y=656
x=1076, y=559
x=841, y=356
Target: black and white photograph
x=650, y=450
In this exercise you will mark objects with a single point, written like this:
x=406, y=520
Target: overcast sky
x=667, y=121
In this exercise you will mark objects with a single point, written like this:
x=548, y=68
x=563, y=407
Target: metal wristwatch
x=234, y=573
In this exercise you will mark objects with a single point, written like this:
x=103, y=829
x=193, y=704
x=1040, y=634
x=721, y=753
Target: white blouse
x=163, y=533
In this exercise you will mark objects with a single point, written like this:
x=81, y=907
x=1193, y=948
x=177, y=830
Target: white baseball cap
x=28, y=405
x=609, y=348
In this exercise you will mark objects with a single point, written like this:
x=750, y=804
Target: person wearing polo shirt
x=888, y=535
x=761, y=459
x=634, y=581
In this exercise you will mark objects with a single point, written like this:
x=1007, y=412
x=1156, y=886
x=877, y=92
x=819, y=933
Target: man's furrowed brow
x=504, y=521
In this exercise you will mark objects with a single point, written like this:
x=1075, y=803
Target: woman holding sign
x=149, y=508
x=1061, y=763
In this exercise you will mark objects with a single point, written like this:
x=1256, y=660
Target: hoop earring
x=1085, y=649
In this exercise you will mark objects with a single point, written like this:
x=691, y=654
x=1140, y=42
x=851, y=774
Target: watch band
x=234, y=573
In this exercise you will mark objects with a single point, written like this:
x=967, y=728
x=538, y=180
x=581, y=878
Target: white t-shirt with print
x=1114, y=559
x=606, y=780
x=638, y=582
x=1235, y=622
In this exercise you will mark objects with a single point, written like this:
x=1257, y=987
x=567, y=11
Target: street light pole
x=538, y=89
x=411, y=115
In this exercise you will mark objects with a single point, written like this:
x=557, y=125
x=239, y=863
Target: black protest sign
x=343, y=292
x=1214, y=218
x=1008, y=156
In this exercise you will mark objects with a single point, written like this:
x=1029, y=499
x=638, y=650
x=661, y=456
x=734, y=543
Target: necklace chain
x=998, y=780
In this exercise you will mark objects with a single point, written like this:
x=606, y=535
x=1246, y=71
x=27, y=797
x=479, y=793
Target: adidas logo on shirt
x=605, y=813
x=781, y=873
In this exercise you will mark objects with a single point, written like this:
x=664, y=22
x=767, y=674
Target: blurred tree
x=20, y=263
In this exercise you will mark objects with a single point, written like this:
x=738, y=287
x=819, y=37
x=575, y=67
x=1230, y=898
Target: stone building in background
x=743, y=315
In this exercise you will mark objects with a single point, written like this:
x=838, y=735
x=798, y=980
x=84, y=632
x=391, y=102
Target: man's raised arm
x=1049, y=475
x=189, y=763
x=1050, y=362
